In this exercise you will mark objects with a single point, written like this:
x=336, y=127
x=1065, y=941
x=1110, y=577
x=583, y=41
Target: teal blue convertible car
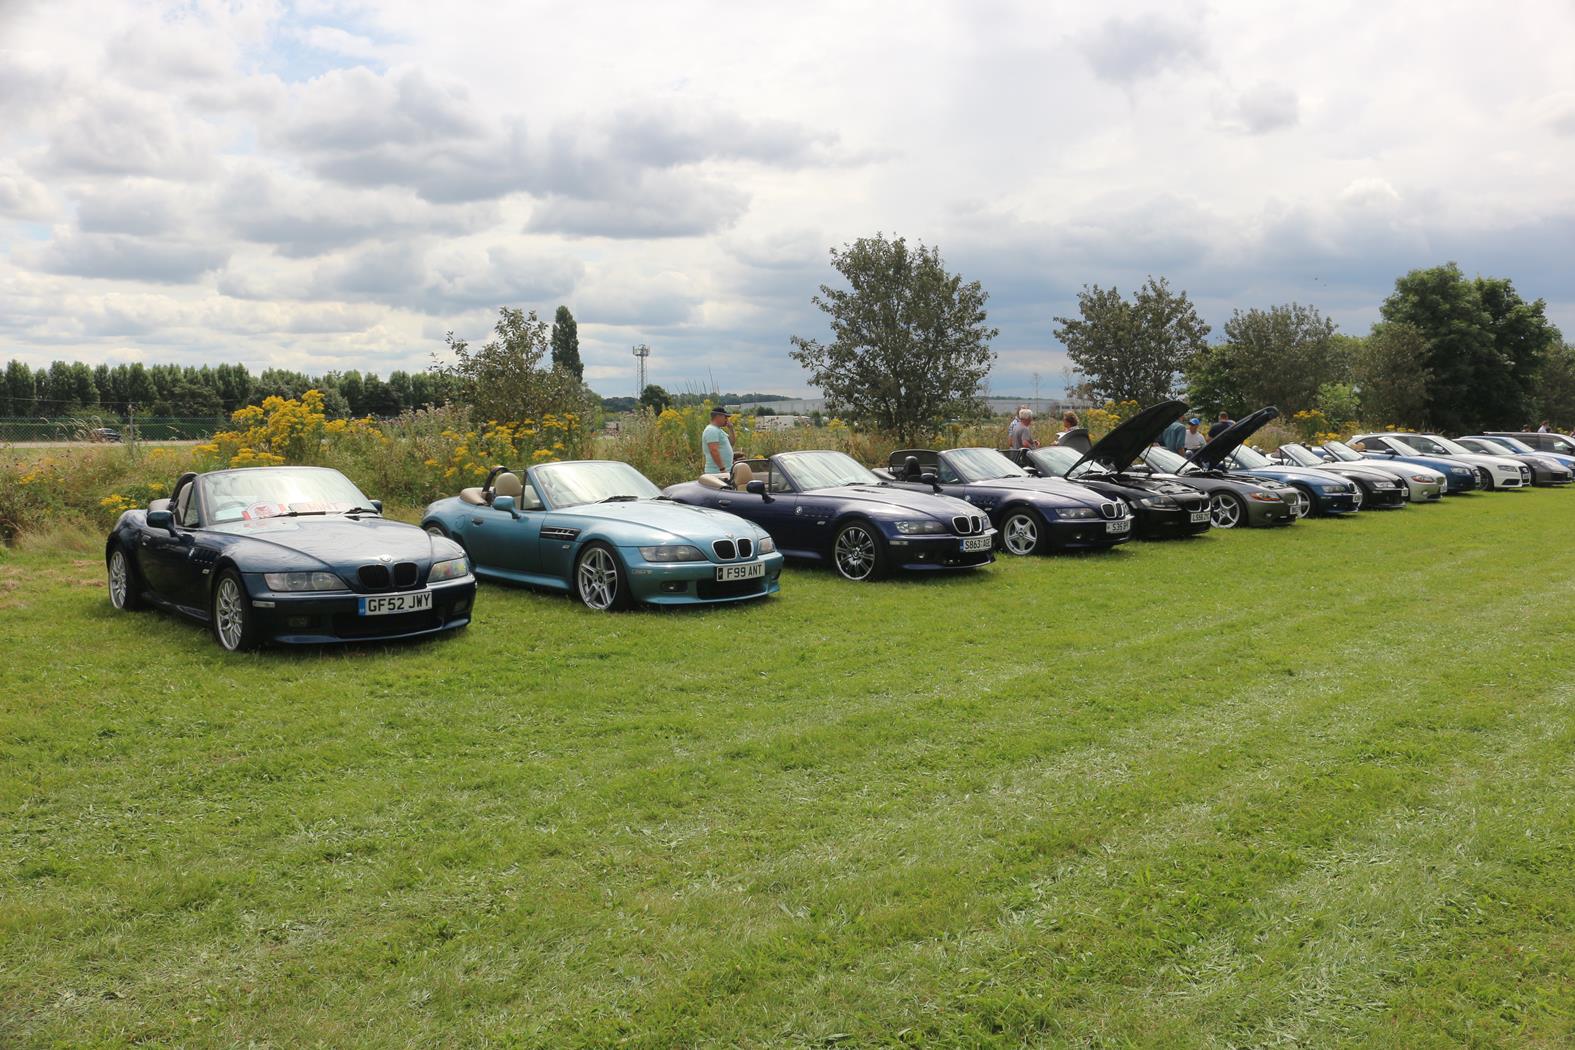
x=600, y=530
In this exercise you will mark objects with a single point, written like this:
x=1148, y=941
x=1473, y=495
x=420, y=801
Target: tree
x=20, y=393
x=1132, y=351
x=1484, y=345
x=910, y=346
x=1390, y=368
x=503, y=379
x=655, y=398
x=1556, y=387
x=566, y=343
x=1284, y=355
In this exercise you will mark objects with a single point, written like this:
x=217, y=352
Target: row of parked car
x=300, y=555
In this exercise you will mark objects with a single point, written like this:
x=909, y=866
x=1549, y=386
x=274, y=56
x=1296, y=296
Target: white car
x=1501, y=472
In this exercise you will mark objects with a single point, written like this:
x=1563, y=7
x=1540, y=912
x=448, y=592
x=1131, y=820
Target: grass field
x=1308, y=787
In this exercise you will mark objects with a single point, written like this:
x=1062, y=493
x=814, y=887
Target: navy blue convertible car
x=286, y=554
x=825, y=506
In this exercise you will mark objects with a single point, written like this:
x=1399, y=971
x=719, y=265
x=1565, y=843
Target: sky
x=326, y=185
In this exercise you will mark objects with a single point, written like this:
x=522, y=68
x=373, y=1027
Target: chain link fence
x=110, y=429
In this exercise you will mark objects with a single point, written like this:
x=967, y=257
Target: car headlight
x=672, y=552
x=1265, y=497
x=1460, y=470
x=1157, y=501
x=1075, y=512
x=765, y=545
x=910, y=528
x=453, y=569
x=303, y=581
x=1423, y=478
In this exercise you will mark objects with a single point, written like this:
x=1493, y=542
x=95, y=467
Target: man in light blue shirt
x=717, y=443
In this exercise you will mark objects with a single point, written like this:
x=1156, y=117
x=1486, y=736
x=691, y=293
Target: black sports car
x=286, y=554
x=826, y=506
x=1160, y=508
x=1034, y=515
x=1234, y=499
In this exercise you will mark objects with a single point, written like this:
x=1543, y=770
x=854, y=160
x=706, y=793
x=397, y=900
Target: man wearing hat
x=1193, y=439
x=717, y=441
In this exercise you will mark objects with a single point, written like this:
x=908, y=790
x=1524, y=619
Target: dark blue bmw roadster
x=286, y=554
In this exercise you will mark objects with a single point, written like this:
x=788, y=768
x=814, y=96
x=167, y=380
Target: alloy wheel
x=855, y=552
x=229, y=614
x=1301, y=505
x=1020, y=533
x=597, y=578
x=1224, y=513
x=119, y=579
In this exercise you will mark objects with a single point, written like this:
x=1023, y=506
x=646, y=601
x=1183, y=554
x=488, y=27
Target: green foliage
x=1262, y=809
x=655, y=398
x=503, y=379
x=566, y=344
x=1132, y=351
x=1339, y=403
x=1282, y=356
x=1484, y=345
x=1555, y=387
x=910, y=346
x=1390, y=368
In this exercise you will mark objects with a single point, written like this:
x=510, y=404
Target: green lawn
x=1307, y=787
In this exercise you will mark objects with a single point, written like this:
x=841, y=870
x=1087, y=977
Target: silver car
x=1422, y=484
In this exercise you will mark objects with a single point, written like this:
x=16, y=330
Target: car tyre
x=600, y=581
x=231, y=618
x=125, y=590
x=1305, y=502
x=1227, y=511
x=1022, y=532
x=859, y=552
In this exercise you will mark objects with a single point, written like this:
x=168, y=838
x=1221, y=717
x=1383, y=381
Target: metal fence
x=86, y=429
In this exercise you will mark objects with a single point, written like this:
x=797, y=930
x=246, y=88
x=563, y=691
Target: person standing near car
x=1068, y=424
x=1174, y=437
x=717, y=442
x=1015, y=425
x=1220, y=424
x=1023, y=437
x=1192, y=439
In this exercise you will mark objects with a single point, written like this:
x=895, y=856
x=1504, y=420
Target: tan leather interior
x=710, y=481
x=472, y=496
x=508, y=484
x=742, y=475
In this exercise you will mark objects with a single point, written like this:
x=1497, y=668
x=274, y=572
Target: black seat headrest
x=911, y=469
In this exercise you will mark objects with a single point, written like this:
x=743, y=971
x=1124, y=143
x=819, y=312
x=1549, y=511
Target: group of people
x=1184, y=435
x=1020, y=432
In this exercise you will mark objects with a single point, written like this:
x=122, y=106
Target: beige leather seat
x=710, y=481
x=472, y=496
x=508, y=484
x=742, y=476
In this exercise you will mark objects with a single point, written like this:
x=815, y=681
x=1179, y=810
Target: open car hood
x=1212, y=455
x=1117, y=449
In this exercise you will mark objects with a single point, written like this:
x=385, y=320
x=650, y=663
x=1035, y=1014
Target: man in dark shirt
x=1220, y=424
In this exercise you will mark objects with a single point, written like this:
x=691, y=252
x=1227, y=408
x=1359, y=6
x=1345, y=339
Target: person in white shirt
x=1023, y=436
x=1193, y=439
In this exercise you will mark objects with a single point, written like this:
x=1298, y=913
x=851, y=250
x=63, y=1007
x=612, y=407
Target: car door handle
x=724, y=503
x=478, y=522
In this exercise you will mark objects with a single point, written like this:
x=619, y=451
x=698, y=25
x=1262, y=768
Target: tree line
x=72, y=388
x=910, y=350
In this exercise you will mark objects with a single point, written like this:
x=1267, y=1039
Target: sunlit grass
x=1308, y=786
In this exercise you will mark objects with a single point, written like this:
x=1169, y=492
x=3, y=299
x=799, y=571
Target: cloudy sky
x=327, y=184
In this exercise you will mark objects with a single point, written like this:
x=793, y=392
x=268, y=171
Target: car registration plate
x=1124, y=525
x=977, y=543
x=740, y=572
x=388, y=604
x=1199, y=515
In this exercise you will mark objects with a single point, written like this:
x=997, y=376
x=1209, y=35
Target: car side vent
x=746, y=549
x=405, y=574
x=727, y=550
x=374, y=577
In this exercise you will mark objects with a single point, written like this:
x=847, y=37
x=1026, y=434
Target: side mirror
x=931, y=480
x=505, y=504
x=161, y=519
x=758, y=488
x=377, y=505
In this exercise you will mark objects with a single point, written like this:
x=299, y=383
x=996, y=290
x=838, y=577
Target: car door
x=780, y=517
x=507, y=541
x=164, y=555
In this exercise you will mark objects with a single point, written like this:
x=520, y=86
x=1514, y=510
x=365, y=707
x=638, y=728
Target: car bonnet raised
x=1213, y=454
x=1117, y=449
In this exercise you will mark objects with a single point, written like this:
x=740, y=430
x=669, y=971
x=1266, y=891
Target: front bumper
x=1384, y=499
x=1336, y=503
x=1154, y=523
x=1458, y=483
x=1262, y=514
x=695, y=582
x=1427, y=491
x=1544, y=476
x=1066, y=534
x=928, y=553
x=308, y=618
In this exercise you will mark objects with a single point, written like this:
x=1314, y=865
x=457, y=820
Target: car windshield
x=1454, y=448
x=824, y=470
x=982, y=464
x=1057, y=460
x=592, y=481
x=1167, y=462
x=1250, y=459
x=1562, y=447
x=1420, y=445
x=1340, y=450
x=275, y=492
x=1512, y=444
x=1300, y=455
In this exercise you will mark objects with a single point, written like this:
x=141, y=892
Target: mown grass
x=1305, y=787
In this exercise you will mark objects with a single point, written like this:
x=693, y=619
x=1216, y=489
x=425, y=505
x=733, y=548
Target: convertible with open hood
x=1234, y=499
x=602, y=531
x=1160, y=508
x=1313, y=492
x=1034, y=515
x=827, y=507
x=286, y=554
